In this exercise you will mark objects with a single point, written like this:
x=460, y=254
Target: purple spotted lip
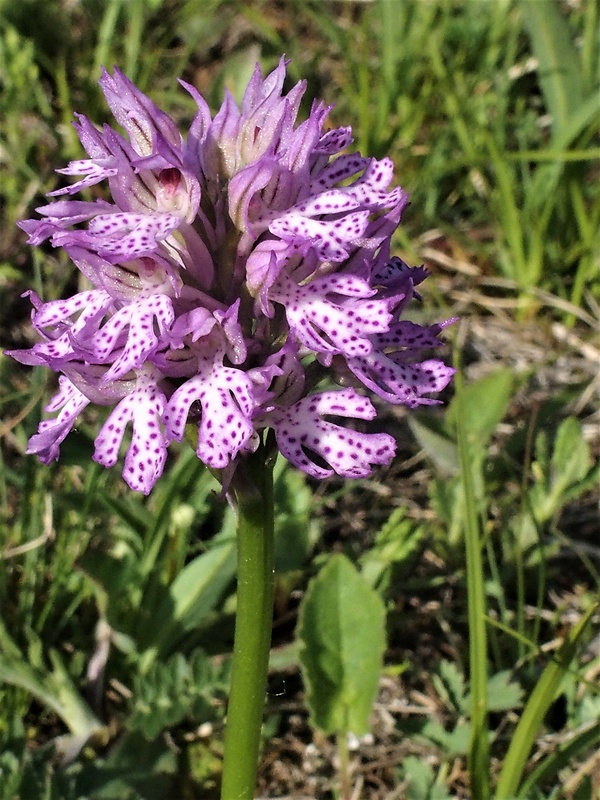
x=233, y=273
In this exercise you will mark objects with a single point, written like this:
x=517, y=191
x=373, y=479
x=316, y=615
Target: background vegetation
x=477, y=554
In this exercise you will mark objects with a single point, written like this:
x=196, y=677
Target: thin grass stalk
x=492, y=561
x=478, y=757
x=344, y=768
x=590, y=48
x=588, y=227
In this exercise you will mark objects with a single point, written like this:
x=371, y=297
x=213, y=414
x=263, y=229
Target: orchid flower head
x=235, y=274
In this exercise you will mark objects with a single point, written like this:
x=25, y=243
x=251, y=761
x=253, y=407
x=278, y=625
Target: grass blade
x=558, y=61
x=587, y=737
x=478, y=750
x=534, y=712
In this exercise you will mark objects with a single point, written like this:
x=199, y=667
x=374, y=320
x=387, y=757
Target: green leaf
x=439, y=447
x=565, y=475
x=455, y=742
x=484, y=404
x=503, y=693
x=342, y=635
x=559, y=66
x=571, y=456
x=177, y=690
x=421, y=781
x=190, y=598
x=54, y=688
x=296, y=529
x=450, y=685
x=395, y=544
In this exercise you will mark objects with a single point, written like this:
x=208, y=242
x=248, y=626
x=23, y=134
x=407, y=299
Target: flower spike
x=233, y=272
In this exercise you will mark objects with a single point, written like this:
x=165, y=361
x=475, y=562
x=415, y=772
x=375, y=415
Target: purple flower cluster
x=233, y=272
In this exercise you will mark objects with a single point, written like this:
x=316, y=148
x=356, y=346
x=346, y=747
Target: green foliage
x=342, y=633
x=453, y=737
x=397, y=544
x=478, y=752
x=560, y=472
x=134, y=769
x=422, y=783
x=177, y=690
x=191, y=597
x=52, y=685
x=296, y=526
x=29, y=775
x=484, y=404
x=566, y=475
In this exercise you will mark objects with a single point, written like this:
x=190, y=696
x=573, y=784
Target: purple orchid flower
x=233, y=272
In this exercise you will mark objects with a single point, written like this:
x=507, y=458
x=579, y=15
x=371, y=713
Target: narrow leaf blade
x=558, y=60
x=535, y=710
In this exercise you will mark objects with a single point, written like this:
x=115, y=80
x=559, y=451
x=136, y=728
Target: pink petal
x=147, y=452
x=145, y=320
x=69, y=402
x=338, y=170
x=333, y=314
x=142, y=234
x=94, y=170
x=303, y=435
x=398, y=382
x=86, y=305
x=331, y=239
x=334, y=140
x=225, y=399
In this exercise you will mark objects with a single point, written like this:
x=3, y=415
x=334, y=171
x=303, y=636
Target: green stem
x=344, y=756
x=253, y=493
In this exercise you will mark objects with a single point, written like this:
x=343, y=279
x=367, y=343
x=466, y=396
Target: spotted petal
x=58, y=321
x=225, y=399
x=147, y=452
x=401, y=383
x=137, y=328
x=122, y=235
x=333, y=314
x=331, y=239
x=94, y=170
x=322, y=448
x=69, y=402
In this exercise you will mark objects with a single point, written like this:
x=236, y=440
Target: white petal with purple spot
x=322, y=448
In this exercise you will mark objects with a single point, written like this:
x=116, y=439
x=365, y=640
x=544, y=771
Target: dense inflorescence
x=233, y=273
